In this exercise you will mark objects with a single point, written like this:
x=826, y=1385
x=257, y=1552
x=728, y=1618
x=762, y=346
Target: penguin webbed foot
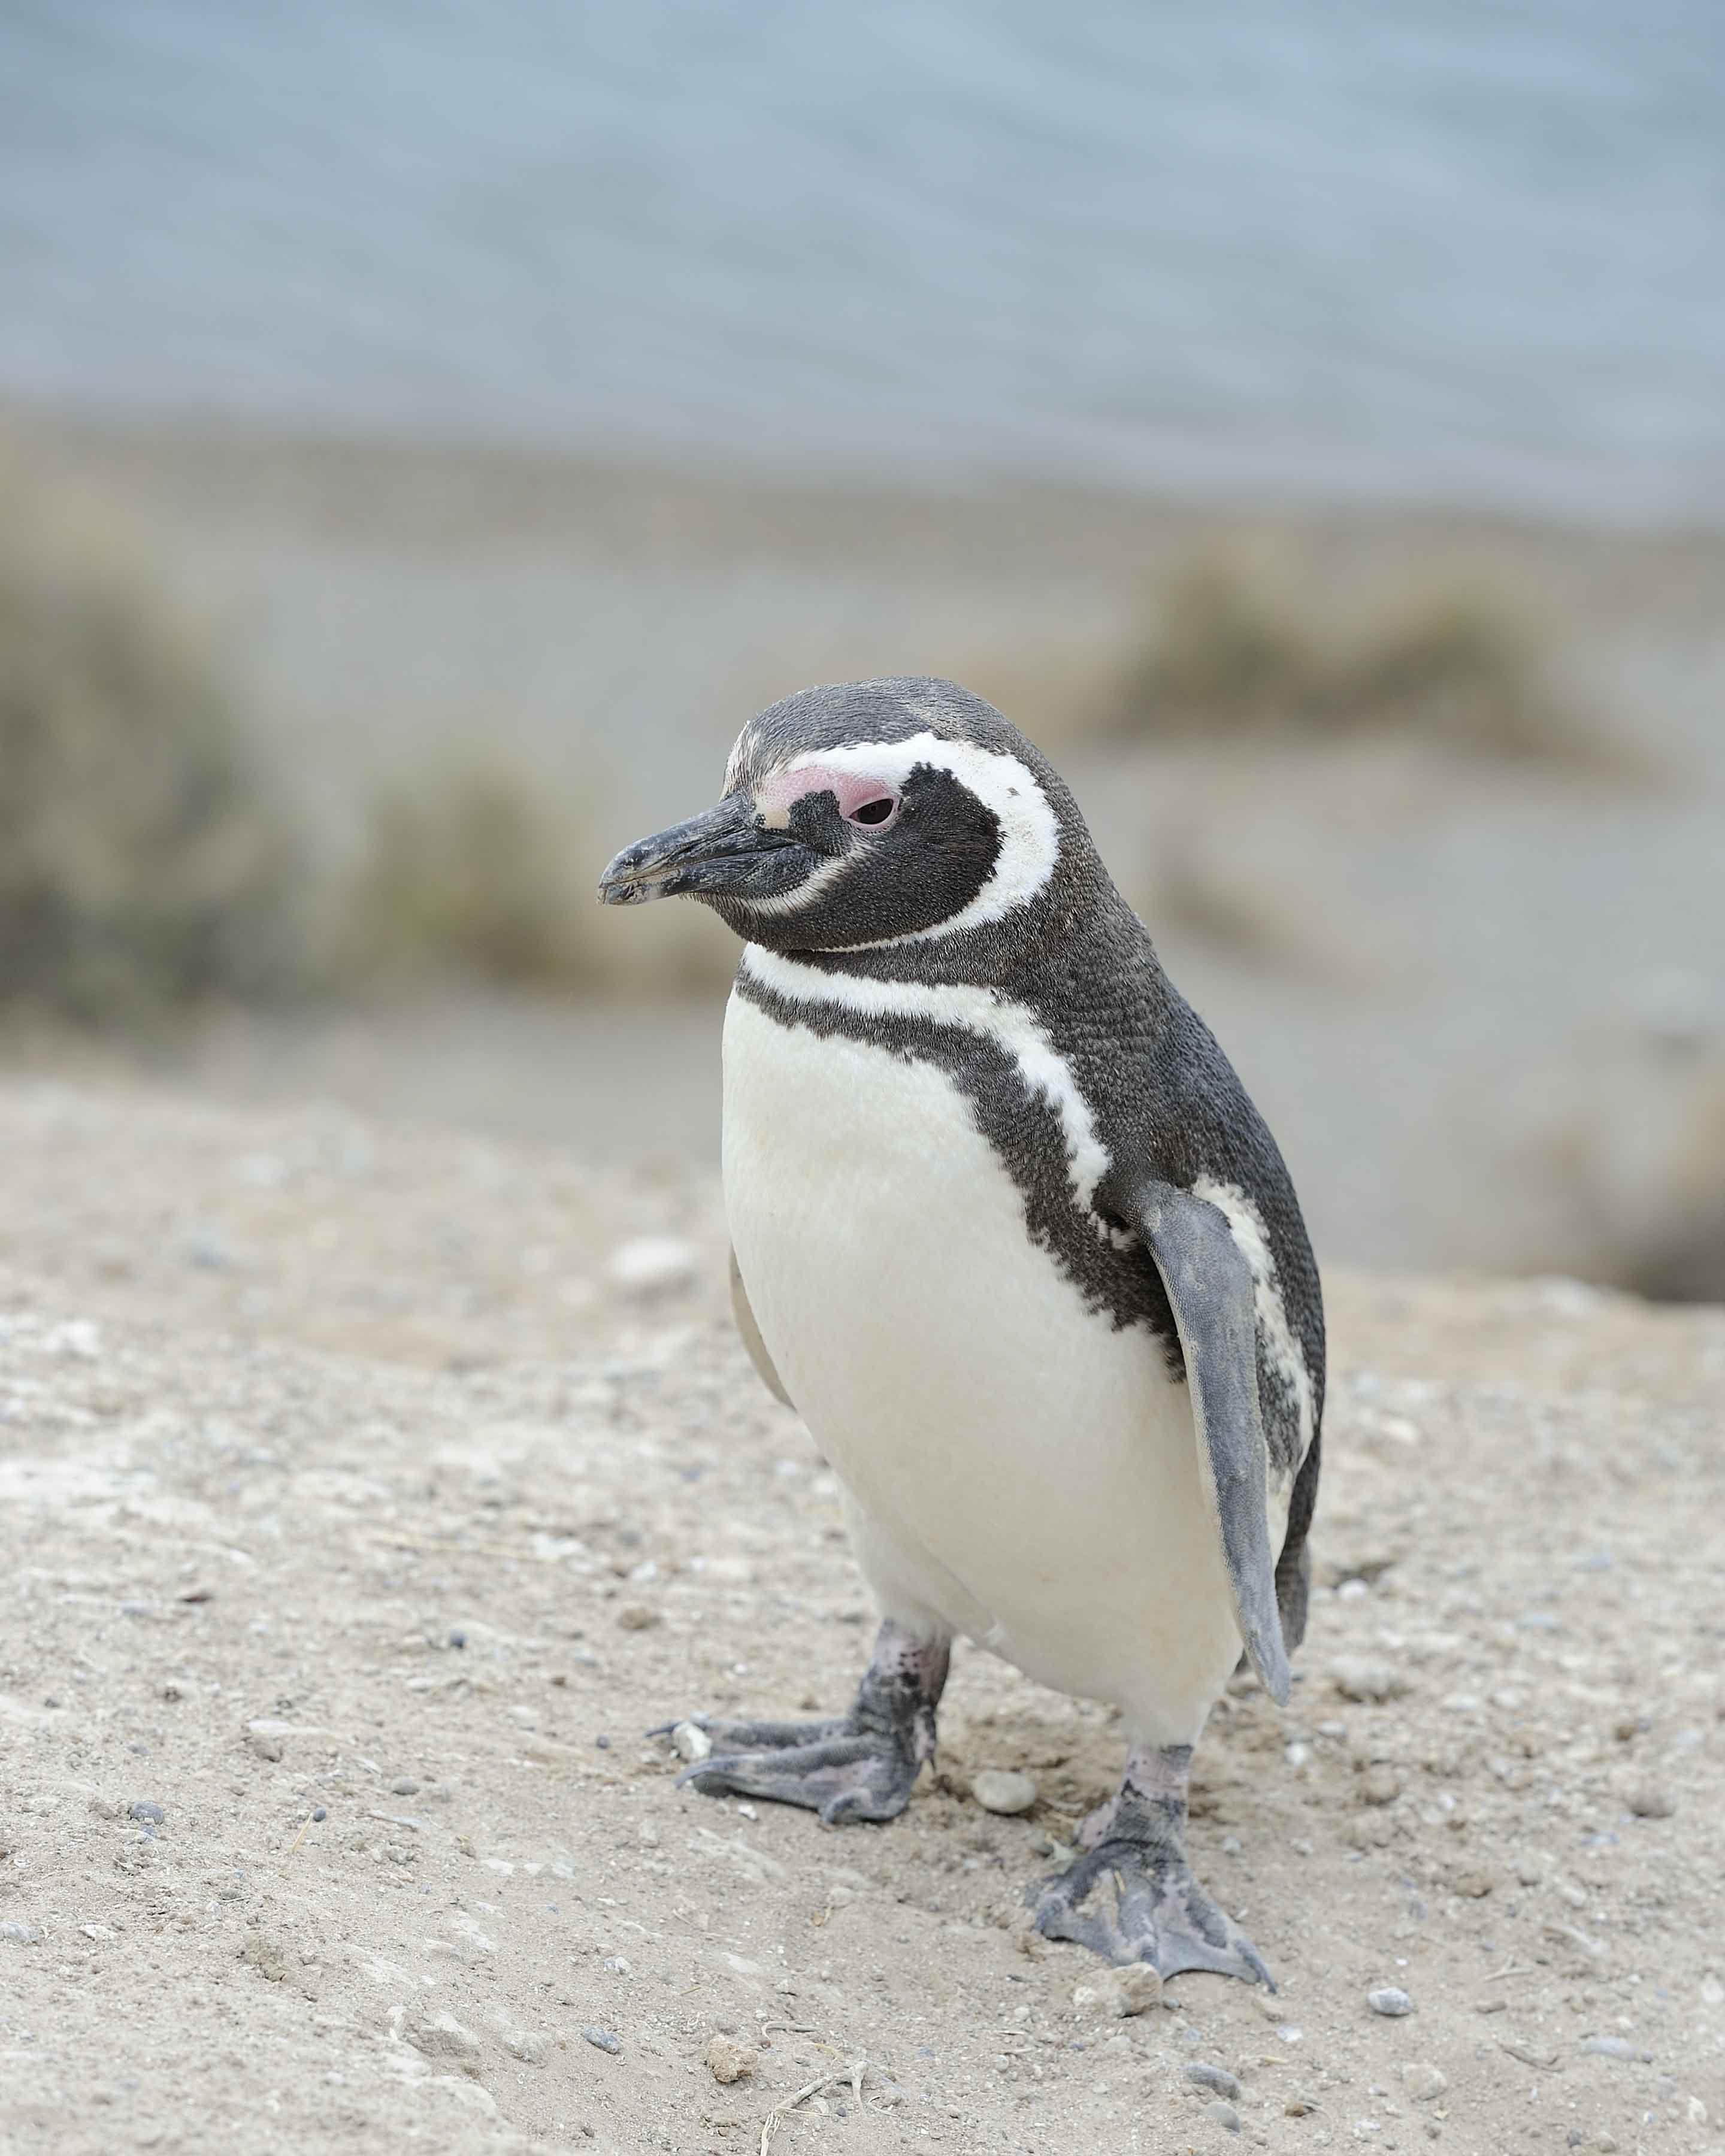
x=859, y=1766
x=833, y=1768
x=1131, y=1896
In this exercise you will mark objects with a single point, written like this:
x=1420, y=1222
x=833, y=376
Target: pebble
x=637, y=1617
x=1224, y=2115
x=1380, y=1785
x=146, y=1812
x=1371, y=1682
x=1614, y=2047
x=1119, y=1991
x=1647, y=1800
x=526, y=2045
x=1530, y=2053
x=1388, y=2000
x=404, y=1785
x=601, y=2039
x=20, y=1934
x=653, y=1264
x=1217, y=2078
x=690, y=1742
x=1422, y=2082
x=728, y=2059
x=1004, y=1790
x=441, y=2036
x=1300, y=2106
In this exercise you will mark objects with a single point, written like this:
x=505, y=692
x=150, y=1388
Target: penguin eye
x=874, y=812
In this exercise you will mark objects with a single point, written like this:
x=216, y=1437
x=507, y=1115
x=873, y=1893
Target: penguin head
x=866, y=813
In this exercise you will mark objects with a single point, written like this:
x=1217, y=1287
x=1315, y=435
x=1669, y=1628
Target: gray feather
x=1210, y=1292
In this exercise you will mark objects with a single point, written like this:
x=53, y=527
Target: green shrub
x=1454, y=669
x=475, y=875
x=140, y=865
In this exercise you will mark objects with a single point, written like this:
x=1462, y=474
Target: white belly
x=1025, y=1474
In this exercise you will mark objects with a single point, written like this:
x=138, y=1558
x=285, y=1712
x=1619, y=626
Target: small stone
x=601, y=2039
x=319, y=1814
x=526, y=2045
x=19, y=1934
x=637, y=1617
x=1713, y=1992
x=1389, y=2001
x=146, y=1812
x=1216, y=2078
x=1647, y=1800
x=1004, y=1790
x=1300, y=2106
x=265, y=1741
x=1613, y=2047
x=1224, y=2115
x=404, y=1785
x=728, y=2059
x=652, y=1266
x=1132, y=1990
x=441, y=2036
x=1529, y=2051
x=1372, y=1682
x=1379, y=1785
x=1423, y=2082
x=690, y=1742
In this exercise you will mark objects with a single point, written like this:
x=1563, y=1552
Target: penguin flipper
x=1210, y=1291
x=751, y=1339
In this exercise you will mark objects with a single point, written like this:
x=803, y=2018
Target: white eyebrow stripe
x=1030, y=830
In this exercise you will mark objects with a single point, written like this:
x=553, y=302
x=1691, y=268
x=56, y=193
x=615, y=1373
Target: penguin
x=1010, y=1237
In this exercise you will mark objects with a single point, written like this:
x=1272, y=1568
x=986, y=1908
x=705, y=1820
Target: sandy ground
x=356, y=1526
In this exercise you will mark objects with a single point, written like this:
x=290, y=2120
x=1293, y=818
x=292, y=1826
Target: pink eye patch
x=861, y=799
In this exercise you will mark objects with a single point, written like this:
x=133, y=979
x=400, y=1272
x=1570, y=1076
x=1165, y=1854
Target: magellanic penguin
x=1012, y=1239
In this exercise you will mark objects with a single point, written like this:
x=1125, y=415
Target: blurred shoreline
x=1482, y=1002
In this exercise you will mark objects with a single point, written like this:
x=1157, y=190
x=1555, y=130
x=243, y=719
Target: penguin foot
x=1131, y=1896
x=857, y=1766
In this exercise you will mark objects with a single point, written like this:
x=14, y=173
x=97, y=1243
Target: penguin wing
x=1210, y=1291
x=751, y=1339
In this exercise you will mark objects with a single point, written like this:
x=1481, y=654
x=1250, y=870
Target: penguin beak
x=724, y=852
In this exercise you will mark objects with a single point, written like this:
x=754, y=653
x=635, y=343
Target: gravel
x=602, y=2040
x=355, y=1470
x=1388, y=1999
x=1003, y=1790
x=1213, y=2077
x=729, y=2060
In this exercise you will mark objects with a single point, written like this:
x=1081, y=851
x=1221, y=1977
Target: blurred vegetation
x=140, y=865
x=472, y=873
x=1230, y=660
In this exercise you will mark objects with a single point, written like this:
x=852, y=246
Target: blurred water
x=1452, y=249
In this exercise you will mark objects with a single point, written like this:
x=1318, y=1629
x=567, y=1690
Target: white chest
x=1034, y=1468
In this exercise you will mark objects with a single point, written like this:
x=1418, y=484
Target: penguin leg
x=1131, y=1896
x=857, y=1766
